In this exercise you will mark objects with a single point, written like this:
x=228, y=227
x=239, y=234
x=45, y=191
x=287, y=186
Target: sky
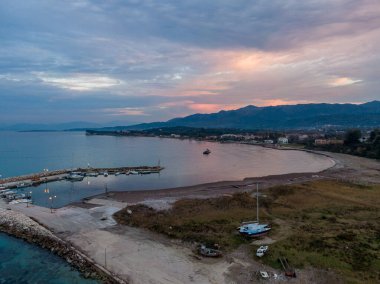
x=148, y=60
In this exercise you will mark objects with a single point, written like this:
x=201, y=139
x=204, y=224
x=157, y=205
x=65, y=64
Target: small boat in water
x=24, y=184
x=105, y=174
x=117, y=173
x=133, y=172
x=75, y=177
x=92, y=174
x=207, y=152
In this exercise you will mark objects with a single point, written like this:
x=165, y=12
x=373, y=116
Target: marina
x=18, y=189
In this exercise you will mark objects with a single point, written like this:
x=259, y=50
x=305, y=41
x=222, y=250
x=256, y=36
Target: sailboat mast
x=257, y=201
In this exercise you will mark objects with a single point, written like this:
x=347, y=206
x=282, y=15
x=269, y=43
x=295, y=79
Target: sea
x=21, y=263
x=184, y=165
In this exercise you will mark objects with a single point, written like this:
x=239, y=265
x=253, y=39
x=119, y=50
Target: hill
x=301, y=116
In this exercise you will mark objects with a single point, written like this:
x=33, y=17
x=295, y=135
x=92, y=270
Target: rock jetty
x=18, y=225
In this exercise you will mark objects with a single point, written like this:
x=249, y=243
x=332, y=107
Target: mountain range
x=301, y=116
x=73, y=125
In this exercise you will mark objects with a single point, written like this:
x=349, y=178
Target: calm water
x=21, y=263
x=23, y=153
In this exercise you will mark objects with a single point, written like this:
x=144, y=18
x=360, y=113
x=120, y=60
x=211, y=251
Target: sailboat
x=254, y=228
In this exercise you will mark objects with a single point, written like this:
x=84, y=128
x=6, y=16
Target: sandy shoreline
x=138, y=256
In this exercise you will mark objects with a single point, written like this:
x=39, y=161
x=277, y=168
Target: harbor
x=50, y=176
x=45, y=187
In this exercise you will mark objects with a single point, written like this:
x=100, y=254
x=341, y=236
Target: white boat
x=24, y=184
x=105, y=174
x=75, y=177
x=133, y=172
x=117, y=173
x=254, y=228
x=17, y=201
x=92, y=174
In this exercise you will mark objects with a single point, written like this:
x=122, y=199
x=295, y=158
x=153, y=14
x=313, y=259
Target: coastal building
x=231, y=136
x=328, y=142
x=363, y=139
x=283, y=140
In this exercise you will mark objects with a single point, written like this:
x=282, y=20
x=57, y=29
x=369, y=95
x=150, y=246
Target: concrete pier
x=56, y=175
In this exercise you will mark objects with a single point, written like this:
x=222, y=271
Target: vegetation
x=324, y=224
x=208, y=221
x=333, y=225
x=352, y=145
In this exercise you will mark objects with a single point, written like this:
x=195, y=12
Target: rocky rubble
x=21, y=226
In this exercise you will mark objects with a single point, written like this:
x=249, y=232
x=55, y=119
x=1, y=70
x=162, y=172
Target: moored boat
x=24, y=184
x=75, y=177
x=207, y=152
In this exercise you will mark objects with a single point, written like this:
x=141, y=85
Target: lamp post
x=45, y=175
x=51, y=198
x=30, y=198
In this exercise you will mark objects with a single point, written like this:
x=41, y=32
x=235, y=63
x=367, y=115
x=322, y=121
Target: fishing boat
x=133, y=172
x=207, y=152
x=92, y=174
x=75, y=177
x=209, y=252
x=24, y=184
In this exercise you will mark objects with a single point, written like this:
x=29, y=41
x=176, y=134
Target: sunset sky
x=131, y=60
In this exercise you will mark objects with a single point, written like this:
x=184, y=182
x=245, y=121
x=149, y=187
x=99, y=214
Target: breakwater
x=18, y=225
x=51, y=176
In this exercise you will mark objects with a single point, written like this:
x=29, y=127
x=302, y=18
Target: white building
x=282, y=140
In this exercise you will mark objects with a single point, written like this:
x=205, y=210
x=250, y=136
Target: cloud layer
x=146, y=60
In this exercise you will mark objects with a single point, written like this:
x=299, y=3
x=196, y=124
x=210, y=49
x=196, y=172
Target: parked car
x=261, y=251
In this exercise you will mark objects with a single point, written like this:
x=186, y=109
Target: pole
x=105, y=258
x=257, y=201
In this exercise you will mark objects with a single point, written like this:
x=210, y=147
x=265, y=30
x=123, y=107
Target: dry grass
x=208, y=221
x=324, y=224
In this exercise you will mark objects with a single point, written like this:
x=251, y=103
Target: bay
x=29, y=152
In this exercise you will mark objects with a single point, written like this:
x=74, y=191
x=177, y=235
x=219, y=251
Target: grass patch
x=324, y=224
x=208, y=221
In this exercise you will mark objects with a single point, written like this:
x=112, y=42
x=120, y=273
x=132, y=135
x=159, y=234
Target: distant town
x=360, y=142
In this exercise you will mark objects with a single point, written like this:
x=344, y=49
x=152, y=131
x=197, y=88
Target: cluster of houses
x=317, y=138
x=249, y=138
